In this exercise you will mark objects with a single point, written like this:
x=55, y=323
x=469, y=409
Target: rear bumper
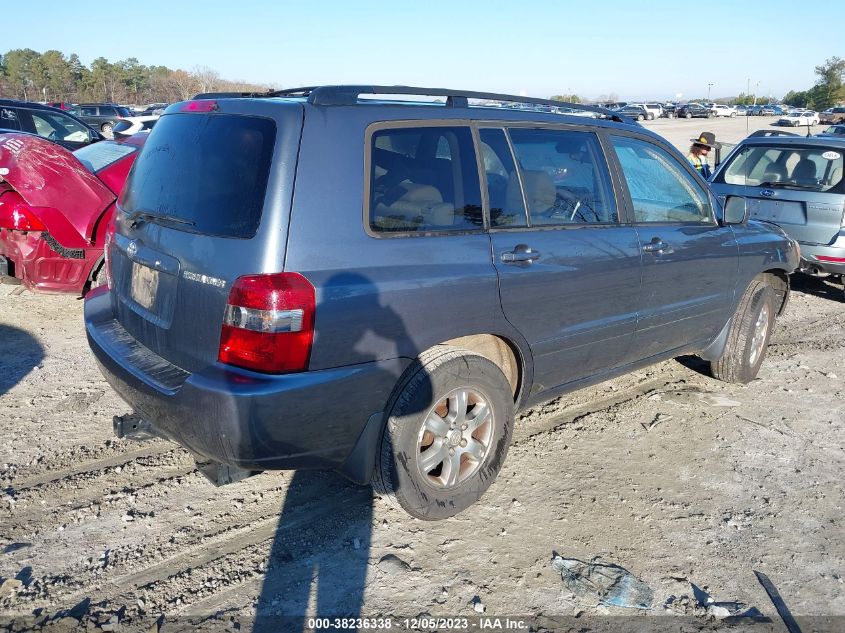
x=33, y=260
x=249, y=420
x=811, y=254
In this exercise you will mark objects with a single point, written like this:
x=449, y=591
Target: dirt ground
x=688, y=483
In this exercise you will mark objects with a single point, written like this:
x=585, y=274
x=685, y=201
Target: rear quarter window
x=423, y=180
x=208, y=169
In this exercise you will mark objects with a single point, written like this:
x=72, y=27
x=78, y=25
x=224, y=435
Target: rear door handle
x=657, y=246
x=521, y=254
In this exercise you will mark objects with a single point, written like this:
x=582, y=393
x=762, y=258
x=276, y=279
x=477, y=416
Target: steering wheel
x=569, y=206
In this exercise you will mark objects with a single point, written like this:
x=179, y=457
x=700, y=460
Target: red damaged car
x=54, y=209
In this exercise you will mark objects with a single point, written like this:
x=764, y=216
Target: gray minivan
x=336, y=277
x=797, y=183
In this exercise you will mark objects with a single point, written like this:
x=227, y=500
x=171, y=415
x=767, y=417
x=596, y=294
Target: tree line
x=51, y=76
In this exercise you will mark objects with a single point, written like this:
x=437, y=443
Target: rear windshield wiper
x=794, y=185
x=136, y=217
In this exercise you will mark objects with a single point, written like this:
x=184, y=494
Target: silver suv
x=795, y=182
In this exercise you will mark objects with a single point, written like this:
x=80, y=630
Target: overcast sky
x=637, y=50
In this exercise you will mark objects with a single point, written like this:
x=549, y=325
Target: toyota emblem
x=132, y=249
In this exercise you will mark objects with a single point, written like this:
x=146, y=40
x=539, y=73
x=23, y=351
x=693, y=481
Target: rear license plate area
x=778, y=211
x=144, y=283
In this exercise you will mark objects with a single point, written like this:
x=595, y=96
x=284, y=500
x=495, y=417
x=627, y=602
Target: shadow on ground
x=19, y=353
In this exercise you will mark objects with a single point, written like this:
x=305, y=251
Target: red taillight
x=17, y=215
x=199, y=105
x=828, y=258
x=268, y=325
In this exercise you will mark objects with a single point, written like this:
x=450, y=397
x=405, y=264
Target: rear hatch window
x=804, y=168
x=208, y=170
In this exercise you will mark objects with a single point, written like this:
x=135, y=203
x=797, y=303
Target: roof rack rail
x=349, y=95
x=771, y=133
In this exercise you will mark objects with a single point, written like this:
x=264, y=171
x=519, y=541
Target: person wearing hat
x=701, y=146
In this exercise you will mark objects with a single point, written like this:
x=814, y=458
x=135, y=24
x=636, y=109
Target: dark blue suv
x=333, y=277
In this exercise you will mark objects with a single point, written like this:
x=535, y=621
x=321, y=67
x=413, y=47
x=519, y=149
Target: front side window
x=564, y=177
x=423, y=179
x=55, y=126
x=89, y=111
x=788, y=167
x=661, y=190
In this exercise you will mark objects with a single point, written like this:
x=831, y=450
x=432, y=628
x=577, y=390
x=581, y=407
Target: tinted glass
x=564, y=177
x=423, y=179
x=123, y=112
x=9, y=119
x=99, y=155
x=661, y=189
x=107, y=111
x=507, y=207
x=211, y=170
x=56, y=126
x=88, y=111
x=122, y=126
x=788, y=167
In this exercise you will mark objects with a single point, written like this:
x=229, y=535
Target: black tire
x=747, y=340
x=688, y=115
x=640, y=117
x=424, y=388
x=107, y=129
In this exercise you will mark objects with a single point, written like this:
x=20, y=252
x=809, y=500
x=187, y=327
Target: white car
x=127, y=126
x=720, y=109
x=799, y=117
x=653, y=110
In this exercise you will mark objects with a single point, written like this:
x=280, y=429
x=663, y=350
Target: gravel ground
x=688, y=483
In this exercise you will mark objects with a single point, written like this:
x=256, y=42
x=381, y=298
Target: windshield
x=815, y=168
x=209, y=170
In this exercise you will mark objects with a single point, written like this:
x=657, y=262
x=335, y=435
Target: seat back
x=774, y=173
x=417, y=204
x=804, y=172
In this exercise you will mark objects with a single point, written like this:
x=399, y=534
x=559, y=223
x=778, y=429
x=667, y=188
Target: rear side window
x=564, y=177
x=9, y=119
x=208, y=169
x=423, y=179
x=810, y=168
x=100, y=155
x=661, y=190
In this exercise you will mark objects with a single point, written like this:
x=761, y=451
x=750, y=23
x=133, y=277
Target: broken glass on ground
x=606, y=583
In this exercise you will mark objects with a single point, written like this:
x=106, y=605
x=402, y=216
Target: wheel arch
x=779, y=281
x=498, y=350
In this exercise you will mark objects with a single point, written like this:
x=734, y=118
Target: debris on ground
x=608, y=584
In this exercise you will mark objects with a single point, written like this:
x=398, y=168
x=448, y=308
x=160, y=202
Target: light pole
x=708, y=91
x=756, y=88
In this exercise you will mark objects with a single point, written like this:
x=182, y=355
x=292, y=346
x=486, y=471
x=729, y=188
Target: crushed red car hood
x=64, y=195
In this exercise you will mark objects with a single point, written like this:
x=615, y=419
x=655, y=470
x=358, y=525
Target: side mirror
x=736, y=211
